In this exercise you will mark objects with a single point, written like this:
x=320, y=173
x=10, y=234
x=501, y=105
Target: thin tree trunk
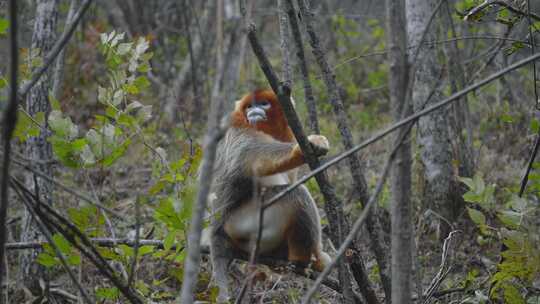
x=377, y=244
x=462, y=126
x=58, y=76
x=400, y=185
x=433, y=136
x=37, y=148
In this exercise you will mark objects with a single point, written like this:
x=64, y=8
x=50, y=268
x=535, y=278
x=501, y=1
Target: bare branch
x=400, y=124
x=502, y=3
x=69, y=190
x=76, y=237
x=308, y=89
x=47, y=233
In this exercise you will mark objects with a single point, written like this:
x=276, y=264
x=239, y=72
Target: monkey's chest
x=242, y=226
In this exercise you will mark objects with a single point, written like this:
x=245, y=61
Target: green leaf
x=55, y=104
x=116, y=153
x=63, y=245
x=74, y=259
x=507, y=118
x=142, y=83
x=169, y=240
x=509, y=218
x=3, y=82
x=476, y=216
x=108, y=293
x=146, y=249
x=126, y=250
x=145, y=113
x=62, y=127
x=4, y=25
x=25, y=127
x=46, y=260
x=512, y=295
x=124, y=48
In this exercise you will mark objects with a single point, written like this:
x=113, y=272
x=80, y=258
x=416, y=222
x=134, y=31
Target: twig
x=502, y=3
x=47, y=234
x=308, y=89
x=400, y=124
x=133, y=267
x=58, y=46
x=10, y=120
x=284, y=35
x=455, y=39
x=74, y=235
x=81, y=196
x=525, y=178
x=101, y=242
x=444, y=269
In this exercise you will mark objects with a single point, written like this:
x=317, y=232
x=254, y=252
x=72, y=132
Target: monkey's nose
x=255, y=115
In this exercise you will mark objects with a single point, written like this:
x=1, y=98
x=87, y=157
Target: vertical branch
x=376, y=233
x=308, y=89
x=58, y=74
x=401, y=248
x=213, y=134
x=284, y=43
x=10, y=120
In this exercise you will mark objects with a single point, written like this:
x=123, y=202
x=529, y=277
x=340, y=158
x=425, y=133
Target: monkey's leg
x=304, y=231
x=220, y=253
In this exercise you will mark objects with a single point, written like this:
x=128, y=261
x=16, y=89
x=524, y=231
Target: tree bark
x=462, y=126
x=400, y=184
x=58, y=77
x=37, y=148
x=433, y=135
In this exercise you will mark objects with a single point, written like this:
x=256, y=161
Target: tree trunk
x=37, y=148
x=400, y=185
x=462, y=121
x=433, y=136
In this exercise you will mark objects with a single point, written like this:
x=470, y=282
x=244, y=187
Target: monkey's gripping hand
x=320, y=144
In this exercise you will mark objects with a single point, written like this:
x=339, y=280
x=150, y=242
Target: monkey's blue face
x=256, y=111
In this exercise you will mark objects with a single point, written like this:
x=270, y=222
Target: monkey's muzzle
x=255, y=115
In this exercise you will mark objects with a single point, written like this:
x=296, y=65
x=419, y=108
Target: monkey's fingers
x=320, y=144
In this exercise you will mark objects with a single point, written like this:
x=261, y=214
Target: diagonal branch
x=76, y=237
x=401, y=123
x=47, y=233
x=57, y=48
x=502, y=3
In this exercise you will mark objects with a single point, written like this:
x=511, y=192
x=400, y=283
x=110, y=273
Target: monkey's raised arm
x=260, y=155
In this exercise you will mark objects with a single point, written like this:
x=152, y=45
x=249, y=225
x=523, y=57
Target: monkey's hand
x=319, y=143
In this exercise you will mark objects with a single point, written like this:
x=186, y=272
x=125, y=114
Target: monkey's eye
x=249, y=106
x=264, y=103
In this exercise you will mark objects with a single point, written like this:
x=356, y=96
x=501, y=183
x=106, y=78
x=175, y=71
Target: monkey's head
x=261, y=110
